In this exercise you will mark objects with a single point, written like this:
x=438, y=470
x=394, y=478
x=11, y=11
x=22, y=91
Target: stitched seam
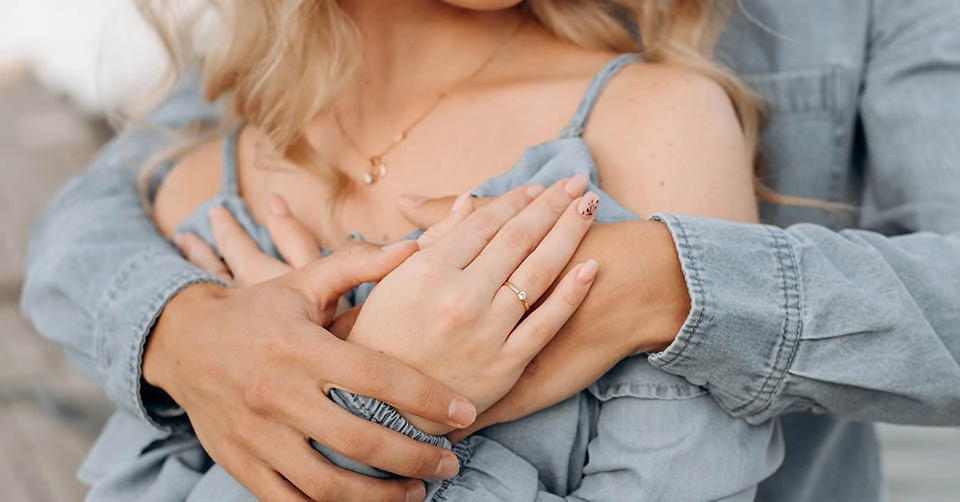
x=771, y=383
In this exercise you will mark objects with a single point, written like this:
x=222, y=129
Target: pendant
x=376, y=171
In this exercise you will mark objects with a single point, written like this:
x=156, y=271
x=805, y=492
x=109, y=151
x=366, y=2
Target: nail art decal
x=588, y=205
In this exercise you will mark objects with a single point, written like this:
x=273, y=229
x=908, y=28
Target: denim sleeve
x=691, y=450
x=99, y=274
x=864, y=326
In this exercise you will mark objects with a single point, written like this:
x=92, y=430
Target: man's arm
x=862, y=325
x=98, y=273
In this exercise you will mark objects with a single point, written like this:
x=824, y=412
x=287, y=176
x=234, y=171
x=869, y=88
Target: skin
x=684, y=155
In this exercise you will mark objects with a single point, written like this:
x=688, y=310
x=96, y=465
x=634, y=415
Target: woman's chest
x=463, y=145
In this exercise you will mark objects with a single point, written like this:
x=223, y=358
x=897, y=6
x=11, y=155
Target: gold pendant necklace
x=377, y=168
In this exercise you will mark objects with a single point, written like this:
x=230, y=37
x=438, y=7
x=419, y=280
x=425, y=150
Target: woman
x=509, y=60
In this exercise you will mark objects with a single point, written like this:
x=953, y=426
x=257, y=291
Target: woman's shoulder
x=668, y=139
x=195, y=178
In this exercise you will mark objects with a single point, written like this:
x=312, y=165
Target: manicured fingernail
x=277, y=205
x=575, y=185
x=178, y=239
x=458, y=204
x=462, y=412
x=535, y=190
x=416, y=492
x=588, y=205
x=588, y=271
x=448, y=467
x=411, y=199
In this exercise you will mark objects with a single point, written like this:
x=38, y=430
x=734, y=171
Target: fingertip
x=461, y=201
x=588, y=271
x=416, y=491
x=278, y=206
x=179, y=240
x=462, y=413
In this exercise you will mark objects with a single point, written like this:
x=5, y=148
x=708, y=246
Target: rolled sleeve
x=744, y=325
x=132, y=305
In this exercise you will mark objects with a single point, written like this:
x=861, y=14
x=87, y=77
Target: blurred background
x=62, y=63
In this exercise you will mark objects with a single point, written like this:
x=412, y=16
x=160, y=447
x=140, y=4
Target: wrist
x=160, y=359
x=667, y=309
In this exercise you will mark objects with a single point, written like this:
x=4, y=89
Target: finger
x=295, y=243
x=304, y=408
x=462, y=207
x=533, y=334
x=244, y=258
x=425, y=213
x=521, y=235
x=264, y=482
x=316, y=477
x=202, y=255
x=371, y=373
x=540, y=270
x=343, y=323
x=325, y=281
x=464, y=242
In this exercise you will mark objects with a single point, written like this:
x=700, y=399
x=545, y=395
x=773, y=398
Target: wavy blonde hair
x=264, y=45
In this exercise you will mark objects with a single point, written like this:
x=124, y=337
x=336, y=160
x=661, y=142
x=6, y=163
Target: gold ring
x=521, y=295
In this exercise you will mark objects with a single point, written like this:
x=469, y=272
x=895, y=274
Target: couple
x=443, y=96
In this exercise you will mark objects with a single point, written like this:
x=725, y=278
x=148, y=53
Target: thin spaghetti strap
x=579, y=121
x=228, y=163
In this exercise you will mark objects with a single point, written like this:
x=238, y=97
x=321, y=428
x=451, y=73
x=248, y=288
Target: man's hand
x=250, y=366
x=637, y=305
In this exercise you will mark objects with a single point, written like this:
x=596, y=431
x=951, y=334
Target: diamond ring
x=521, y=295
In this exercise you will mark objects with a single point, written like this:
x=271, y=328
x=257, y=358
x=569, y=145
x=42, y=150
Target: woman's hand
x=448, y=312
x=641, y=266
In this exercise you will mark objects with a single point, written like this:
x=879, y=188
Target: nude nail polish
x=588, y=205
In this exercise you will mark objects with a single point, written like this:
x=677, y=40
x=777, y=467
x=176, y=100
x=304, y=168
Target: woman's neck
x=417, y=47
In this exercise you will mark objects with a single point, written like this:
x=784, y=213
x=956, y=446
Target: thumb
x=325, y=281
x=424, y=212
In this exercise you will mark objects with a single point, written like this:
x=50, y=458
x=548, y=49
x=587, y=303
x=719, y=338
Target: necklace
x=377, y=168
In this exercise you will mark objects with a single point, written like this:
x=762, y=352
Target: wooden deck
x=49, y=415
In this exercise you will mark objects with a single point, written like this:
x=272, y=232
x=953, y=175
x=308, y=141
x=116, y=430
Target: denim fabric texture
x=822, y=327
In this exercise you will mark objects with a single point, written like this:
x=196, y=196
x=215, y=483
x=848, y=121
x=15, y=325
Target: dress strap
x=579, y=121
x=228, y=162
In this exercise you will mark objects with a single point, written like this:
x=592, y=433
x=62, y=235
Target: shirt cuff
x=127, y=314
x=744, y=325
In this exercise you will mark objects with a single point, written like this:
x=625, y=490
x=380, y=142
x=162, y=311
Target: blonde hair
x=264, y=45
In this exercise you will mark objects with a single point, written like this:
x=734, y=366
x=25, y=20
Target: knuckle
x=418, y=463
x=485, y=223
x=261, y=395
x=321, y=488
x=353, y=443
x=367, y=368
x=541, y=331
x=538, y=278
x=519, y=238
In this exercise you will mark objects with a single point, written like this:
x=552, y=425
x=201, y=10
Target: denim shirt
x=857, y=325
